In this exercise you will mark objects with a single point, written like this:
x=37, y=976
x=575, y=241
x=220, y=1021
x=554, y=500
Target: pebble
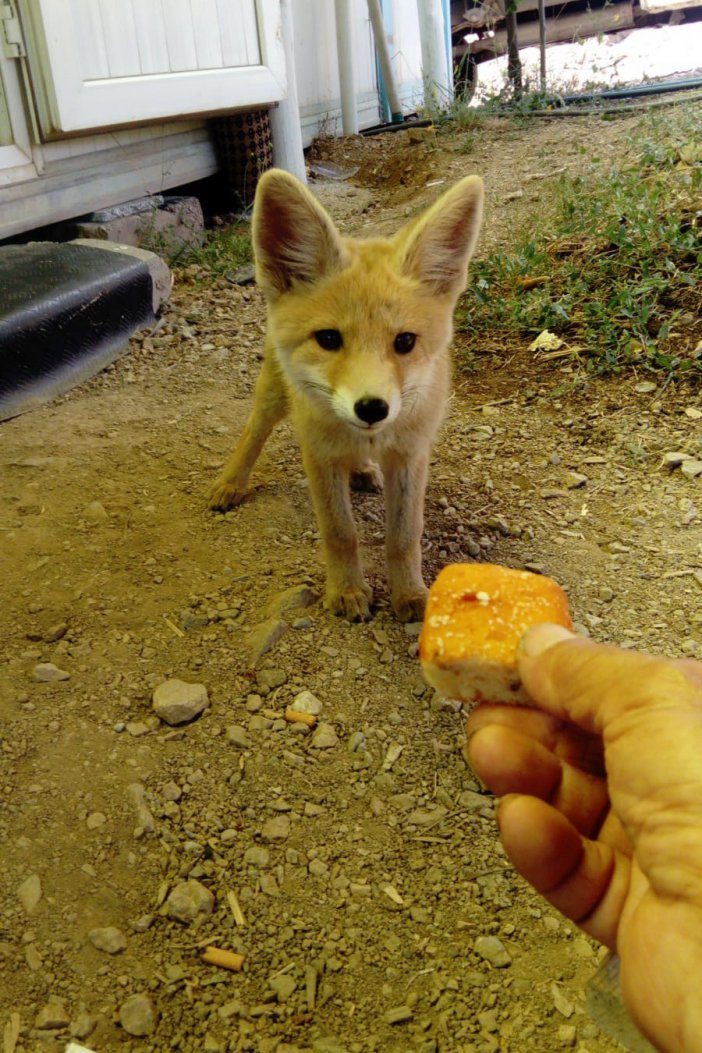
x=270, y=678
x=52, y=1017
x=324, y=738
x=675, y=458
x=238, y=736
x=257, y=856
x=138, y=1015
x=95, y=820
x=95, y=512
x=177, y=702
x=29, y=893
x=276, y=830
x=48, y=673
x=691, y=468
x=493, y=950
x=306, y=702
x=297, y=597
x=563, y=1005
x=263, y=638
x=189, y=901
x=109, y=939
x=399, y=1015
x=283, y=986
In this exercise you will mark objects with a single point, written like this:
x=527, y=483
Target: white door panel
x=114, y=62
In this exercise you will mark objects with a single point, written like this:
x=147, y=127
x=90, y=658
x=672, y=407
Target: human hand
x=602, y=811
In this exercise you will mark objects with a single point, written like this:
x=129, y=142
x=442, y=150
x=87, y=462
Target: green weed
x=619, y=268
x=223, y=251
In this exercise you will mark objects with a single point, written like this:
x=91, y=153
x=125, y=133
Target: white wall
x=317, y=67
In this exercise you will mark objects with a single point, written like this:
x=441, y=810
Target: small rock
x=427, y=817
x=306, y=702
x=354, y=742
x=270, y=678
x=283, y=986
x=324, y=738
x=52, y=1017
x=605, y=594
x=297, y=597
x=48, y=673
x=95, y=820
x=303, y=623
x=56, y=632
x=263, y=638
x=493, y=950
x=276, y=830
x=645, y=387
x=238, y=736
x=675, y=459
x=82, y=1026
x=691, y=469
x=177, y=702
x=29, y=893
x=138, y=1015
x=567, y=1034
x=399, y=1015
x=257, y=856
x=189, y=901
x=108, y=939
x=574, y=480
x=95, y=512
x=563, y=1005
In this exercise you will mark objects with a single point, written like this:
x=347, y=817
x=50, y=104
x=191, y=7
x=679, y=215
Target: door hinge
x=11, y=31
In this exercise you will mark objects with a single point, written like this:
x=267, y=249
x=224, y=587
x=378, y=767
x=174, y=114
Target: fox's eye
x=329, y=339
x=404, y=342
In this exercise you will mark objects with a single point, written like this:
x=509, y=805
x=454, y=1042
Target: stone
x=108, y=939
x=675, y=458
x=177, y=702
x=276, y=830
x=691, y=468
x=263, y=638
x=95, y=820
x=306, y=702
x=493, y=950
x=95, y=512
x=297, y=597
x=269, y=679
x=52, y=1017
x=283, y=985
x=189, y=901
x=29, y=893
x=257, y=856
x=238, y=736
x=48, y=673
x=138, y=1016
x=398, y=1015
x=324, y=738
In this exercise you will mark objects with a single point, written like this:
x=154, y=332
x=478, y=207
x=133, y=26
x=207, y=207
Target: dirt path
x=365, y=859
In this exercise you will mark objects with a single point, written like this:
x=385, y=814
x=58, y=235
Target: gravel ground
x=353, y=864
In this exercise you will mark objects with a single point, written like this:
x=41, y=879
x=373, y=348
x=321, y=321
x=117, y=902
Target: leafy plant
x=621, y=263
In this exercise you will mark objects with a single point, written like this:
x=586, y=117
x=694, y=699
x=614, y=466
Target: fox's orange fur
x=369, y=399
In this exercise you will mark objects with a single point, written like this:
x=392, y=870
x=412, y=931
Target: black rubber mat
x=66, y=311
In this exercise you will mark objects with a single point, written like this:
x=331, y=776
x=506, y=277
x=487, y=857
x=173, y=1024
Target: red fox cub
x=357, y=351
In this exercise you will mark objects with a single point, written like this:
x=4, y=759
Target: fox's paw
x=352, y=604
x=409, y=606
x=224, y=495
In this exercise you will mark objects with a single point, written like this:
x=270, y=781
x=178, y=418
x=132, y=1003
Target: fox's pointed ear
x=437, y=246
x=294, y=239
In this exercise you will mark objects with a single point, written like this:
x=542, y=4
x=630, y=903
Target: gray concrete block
x=165, y=225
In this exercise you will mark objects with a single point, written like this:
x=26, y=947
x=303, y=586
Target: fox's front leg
x=405, y=484
x=347, y=592
x=270, y=406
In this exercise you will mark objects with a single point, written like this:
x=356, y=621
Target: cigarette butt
x=294, y=716
x=224, y=959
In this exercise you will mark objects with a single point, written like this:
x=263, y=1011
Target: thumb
x=592, y=684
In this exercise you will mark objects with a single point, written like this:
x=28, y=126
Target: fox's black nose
x=370, y=411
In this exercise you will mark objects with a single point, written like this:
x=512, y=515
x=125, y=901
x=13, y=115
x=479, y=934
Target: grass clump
x=223, y=250
x=617, y=276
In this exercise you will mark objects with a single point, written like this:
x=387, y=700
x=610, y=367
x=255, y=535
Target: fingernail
x=541, y=637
